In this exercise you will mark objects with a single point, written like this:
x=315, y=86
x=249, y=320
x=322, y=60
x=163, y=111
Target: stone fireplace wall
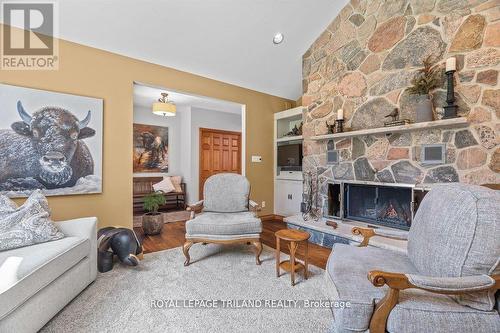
x=363, y=63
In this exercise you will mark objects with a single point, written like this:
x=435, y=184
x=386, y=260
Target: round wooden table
x=294, y=237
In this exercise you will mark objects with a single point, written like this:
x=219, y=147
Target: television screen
x=290, y=155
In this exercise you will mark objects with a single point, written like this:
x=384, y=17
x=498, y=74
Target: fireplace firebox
x=377, y=204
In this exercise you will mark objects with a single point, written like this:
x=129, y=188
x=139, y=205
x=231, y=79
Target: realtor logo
x=29, y=36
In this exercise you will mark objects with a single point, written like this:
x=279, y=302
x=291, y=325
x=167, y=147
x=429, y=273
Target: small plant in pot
x=427, y=79
x=152, y=221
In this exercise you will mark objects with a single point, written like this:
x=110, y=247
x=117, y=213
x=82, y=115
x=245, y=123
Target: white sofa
x=37, y=281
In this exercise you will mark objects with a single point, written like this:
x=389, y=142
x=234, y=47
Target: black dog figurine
x=123, y=243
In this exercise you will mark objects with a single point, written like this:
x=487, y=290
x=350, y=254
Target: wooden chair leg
x=278, y=253
x=185, y=249
x=258, y=251
x=293, y=248
x=306, y=261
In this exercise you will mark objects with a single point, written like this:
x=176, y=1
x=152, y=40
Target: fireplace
x=376, y=204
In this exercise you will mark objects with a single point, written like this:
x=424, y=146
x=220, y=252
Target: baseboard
x=271, y=217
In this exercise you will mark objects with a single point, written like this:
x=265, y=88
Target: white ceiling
x=227, y=40
x=145, y=96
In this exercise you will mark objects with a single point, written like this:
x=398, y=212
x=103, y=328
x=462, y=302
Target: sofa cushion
x=27, y=270
x=226, y=193
x=347, y=269
x=28, y=224
x=224, y=224
x=420, y=311
x=455, y=233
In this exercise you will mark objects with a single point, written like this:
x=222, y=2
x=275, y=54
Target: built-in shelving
x=287, y=184
x=289, y=138
x=443, y=123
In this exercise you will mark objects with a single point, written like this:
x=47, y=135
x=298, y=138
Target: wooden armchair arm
x=399, y=281
x=368, y=233
x=195, y=208
x=253, y=206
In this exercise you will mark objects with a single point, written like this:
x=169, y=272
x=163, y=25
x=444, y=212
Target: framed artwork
x=150, y=148
x=49, y=141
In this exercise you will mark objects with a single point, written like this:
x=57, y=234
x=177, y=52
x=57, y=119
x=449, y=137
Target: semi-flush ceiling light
x=164, y=107
x=278, y=38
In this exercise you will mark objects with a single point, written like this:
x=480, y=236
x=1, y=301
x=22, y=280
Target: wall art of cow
x=45, y=150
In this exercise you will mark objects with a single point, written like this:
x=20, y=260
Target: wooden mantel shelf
x=443, y=123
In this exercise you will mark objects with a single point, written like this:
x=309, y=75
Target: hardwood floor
x=172, y=236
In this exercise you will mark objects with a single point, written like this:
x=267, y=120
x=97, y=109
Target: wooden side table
x=294, y=237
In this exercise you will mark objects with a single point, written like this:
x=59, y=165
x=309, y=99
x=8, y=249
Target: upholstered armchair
x=225, y=216
x=445, y=283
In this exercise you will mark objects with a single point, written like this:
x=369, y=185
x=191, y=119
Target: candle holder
x=339, y=128
x=450, y=110
x=331, y=128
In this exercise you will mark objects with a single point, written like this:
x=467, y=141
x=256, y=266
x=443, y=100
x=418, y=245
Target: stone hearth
x=327, y=236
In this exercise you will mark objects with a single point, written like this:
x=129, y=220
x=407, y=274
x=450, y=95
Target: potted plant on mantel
x=426, y=80
x=152, y=221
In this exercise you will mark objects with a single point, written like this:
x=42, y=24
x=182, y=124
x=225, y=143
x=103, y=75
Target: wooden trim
x=256, y=242
x=271, y=217
x=200, y=152
x=495, y=187
x=219, y=131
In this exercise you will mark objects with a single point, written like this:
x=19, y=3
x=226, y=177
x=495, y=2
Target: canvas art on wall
x=150, y=148
x=49, y=141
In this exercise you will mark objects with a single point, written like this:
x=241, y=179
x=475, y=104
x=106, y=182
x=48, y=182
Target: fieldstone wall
x=363, y=63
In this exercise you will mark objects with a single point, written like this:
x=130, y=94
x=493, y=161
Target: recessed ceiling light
x=278, y=38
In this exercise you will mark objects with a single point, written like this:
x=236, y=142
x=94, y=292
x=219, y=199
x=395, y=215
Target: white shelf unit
x=289, y=138
x=288, y=185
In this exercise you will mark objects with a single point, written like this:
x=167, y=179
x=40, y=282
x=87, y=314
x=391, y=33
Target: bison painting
x=150, y=148
x=45, y=149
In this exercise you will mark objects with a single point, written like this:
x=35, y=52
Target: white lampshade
x=165, y=109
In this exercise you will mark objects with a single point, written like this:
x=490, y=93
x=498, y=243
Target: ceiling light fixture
x=278, y=38
x=164, y=107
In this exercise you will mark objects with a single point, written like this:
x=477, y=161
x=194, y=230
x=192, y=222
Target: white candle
x=340, y=114
x=451, y=64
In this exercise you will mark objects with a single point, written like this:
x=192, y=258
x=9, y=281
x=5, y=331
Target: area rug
x=160, y=295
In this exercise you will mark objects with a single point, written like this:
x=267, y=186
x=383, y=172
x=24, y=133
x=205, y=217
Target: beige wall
x=95, y=73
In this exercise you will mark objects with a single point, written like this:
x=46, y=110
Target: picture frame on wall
x=49, y=141
x=150, y=149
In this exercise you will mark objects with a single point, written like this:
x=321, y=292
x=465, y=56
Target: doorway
x=220, y=151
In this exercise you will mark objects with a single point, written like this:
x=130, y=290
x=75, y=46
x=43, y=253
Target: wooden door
x=220, y=151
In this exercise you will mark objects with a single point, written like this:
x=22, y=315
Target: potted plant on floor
x=152, y=221
x=427, y=79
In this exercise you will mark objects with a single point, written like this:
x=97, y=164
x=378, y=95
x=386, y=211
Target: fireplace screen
x=383, y=205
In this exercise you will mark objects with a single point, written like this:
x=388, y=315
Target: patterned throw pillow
x=164, y=186
x=28, y=224
x=176, y=180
